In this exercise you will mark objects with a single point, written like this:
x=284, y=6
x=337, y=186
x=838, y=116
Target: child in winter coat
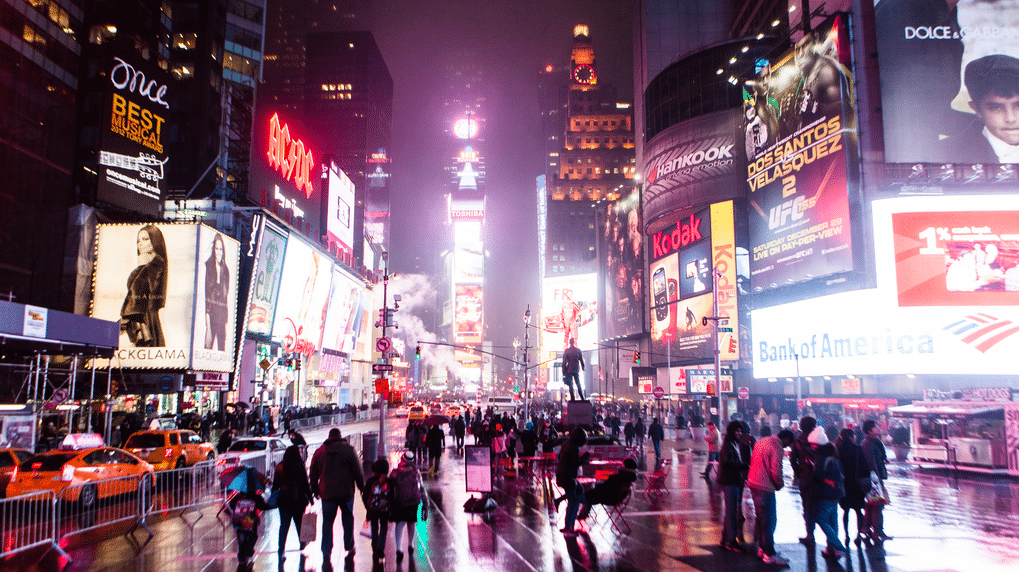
x=378, y=497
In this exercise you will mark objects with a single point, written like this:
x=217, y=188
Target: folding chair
x=656, y=484
x=615, y=511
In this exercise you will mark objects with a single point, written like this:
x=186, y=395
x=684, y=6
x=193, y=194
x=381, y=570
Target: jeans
x=329, y=507
x=572, y=379
x=574, y=496
x=658, y=449
x=733, y=498
x=826, y=513
x=767, y=520
x=379, y=527
x=285, y=517
x=246, y=544
x=809, y=510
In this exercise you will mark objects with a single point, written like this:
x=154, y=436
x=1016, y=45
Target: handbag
x=274, y=499
x=309, y=527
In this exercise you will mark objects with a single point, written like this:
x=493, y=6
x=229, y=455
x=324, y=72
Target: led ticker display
x=622, y=242
x=132, y=157
x=798, y=134
x=937, y=60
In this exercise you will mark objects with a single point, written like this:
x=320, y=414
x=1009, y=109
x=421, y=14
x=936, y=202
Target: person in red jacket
x=764, y=478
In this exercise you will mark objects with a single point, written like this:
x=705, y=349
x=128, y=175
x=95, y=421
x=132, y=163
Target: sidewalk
x=679, y=531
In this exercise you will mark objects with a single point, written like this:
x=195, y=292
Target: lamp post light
x=527, y=324
x=799, y=385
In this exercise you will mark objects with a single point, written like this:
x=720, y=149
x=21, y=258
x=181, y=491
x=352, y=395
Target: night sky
x=519, y=37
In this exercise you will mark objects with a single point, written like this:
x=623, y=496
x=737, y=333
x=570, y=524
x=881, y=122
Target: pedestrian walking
x=656, y=432
x=246, y=505
x=529, y=440
x=639, y=432
x=435, y=440
x=291, y=480
x=408, y=493
x=732, y=474
x=746, y=449
x=875, y=455
x=335, y=472
x=714, y=441
x=459, y=431
x=573, y=364
x=226, y=438
x=567, y=469
x=857, y=480
x=378, y=497
x=801, y=457
x=827, y=487
x=764, y=478
x=628, y=433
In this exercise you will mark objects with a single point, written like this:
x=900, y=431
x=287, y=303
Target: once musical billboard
x=946, y=67
x=798, y=130
x=132, y=156
x=621, y=243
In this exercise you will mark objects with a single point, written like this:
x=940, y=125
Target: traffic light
x=417, y=353
x=732, y=345
x=297, y=364
x=636, y=356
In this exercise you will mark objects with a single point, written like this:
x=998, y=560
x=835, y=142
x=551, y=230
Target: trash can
x=369, y=450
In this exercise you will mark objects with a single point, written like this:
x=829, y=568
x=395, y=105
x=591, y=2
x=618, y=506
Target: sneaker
x=776, y=560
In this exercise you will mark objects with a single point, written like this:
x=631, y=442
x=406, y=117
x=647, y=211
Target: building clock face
x=583, y=74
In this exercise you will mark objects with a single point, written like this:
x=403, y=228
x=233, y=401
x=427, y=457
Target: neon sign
x=289, y=156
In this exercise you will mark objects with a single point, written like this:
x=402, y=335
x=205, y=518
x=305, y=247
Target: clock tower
x=582, y=59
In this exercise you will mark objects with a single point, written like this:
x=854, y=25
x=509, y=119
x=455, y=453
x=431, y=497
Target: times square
x=234, y=226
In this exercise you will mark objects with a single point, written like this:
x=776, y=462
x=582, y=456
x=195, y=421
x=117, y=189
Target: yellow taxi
x=416, y=413
x=452, y=411
x=167, y=450
x=82, y=470
x=9, y=461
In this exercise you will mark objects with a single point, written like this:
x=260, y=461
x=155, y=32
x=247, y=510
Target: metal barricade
x=180, y=491
x=28, y=521
x=92, y=505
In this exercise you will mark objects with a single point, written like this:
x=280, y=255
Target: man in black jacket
x=335, y=471
x=874, y=453
x=801, y=457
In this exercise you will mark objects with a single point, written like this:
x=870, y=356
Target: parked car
x=9, y=461
x=170, y=449
x=262, y=453
x=82, y=473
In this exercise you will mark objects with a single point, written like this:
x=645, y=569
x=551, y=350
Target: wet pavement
x=939, y=523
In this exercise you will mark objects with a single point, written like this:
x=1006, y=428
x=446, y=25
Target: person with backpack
x=246, y=506
x=828, y=488
x=335, y=471
x=291, y=480
x=801, y=457
x=408, y=492
x=377, y=497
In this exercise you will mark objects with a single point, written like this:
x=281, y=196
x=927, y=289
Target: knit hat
x=408, y=456
x=817, y=437
x=529, y=426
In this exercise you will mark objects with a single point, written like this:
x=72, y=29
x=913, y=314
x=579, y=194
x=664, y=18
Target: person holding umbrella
x=244, y=497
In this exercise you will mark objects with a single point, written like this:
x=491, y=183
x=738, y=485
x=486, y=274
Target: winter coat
x=766, y=465
x=855, y=468
x=874, y=453
x=335, y=470
x=732, y=467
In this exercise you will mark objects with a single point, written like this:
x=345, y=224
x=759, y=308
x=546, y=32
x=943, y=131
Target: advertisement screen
x=468, y=322
x=942, y=65
x=799, y=137
x=877, y=331
x=265, y=281
x=622, y=243
x=344, y=305
x=132, y=156
x=569, y=310
x=145, y=279
x=301, y=306
x=216, y=303
x=957, y=258
x=340, y=208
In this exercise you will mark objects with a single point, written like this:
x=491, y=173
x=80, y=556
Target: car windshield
x=417, y=409
x=47, y=462
x=248, y=445
x=145, y=441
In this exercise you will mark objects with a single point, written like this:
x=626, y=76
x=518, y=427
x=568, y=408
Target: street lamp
x=527, y=324
x=798, y=384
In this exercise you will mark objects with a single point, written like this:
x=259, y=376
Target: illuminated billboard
x=285, y=172
x=265, y=280
x=883, y=330
x=468, y=322
x=681, y=286
x=145, y=279
x=132, y=157
x=301, y=305
x=341, y=324
x=339, y=210
x=216, y=310
x=622, y=242
x=798, y=129
x=569, y=309
x=942, y=65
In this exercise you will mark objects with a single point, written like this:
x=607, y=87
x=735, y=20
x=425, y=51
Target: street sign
x=658, y=392
x=383, y=344
x=724, y=329
x=743, y=393
x=264, y=364
x=60, y=395
x=381, y=367
x=381, y=385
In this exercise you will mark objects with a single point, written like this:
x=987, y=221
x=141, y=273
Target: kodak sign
x=686, y=232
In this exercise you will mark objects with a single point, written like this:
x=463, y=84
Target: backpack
x=831, y=480
x=407, y=491
x=378, y=496
x=245, y=515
